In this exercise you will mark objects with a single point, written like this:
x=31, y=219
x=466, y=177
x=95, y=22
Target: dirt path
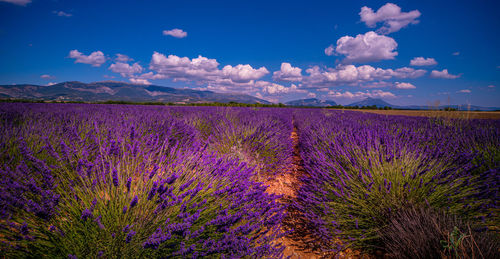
x=287, y=184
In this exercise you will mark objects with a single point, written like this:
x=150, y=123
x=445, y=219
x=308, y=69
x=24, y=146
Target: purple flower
x=129, y=181
x=99, y=223
x=129, y=236
x=115, y=177
x=134, y=201
x=126, y=229
x=86, y=214
x=24, y=229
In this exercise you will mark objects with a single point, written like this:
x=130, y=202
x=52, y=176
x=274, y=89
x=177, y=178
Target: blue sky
x=405, y=52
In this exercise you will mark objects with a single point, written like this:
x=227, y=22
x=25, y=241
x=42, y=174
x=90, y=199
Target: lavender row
x=362, y=168
x=131, y=181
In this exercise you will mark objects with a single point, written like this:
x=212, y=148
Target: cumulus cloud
x=421, y=61
x=272, y=88
x=443, y=74
x=311, y=95
x=288, y=73
x=177, y=33
x=203, y=70
x=464, y=91
x=96, y=58
x=359, y=95
x=380, y=84
x=267, y=98
x=47, y=76
x=51, y=83
x=330, y=50
x=455, y=53
x=402, y=85
x=390, y=15
x=407, y=72
x=18, y=2
x=122, y=58
x=354, y=75
x=243, y=73
x=125, y=69
x=366, y=47
x=61, y=13
x=139, y=81
x=183, y=68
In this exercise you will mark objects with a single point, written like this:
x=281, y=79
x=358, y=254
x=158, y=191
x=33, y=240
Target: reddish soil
x=287, y=184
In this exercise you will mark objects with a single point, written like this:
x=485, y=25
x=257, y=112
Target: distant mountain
x=379, y=103
x=311, y=102
x=118, y=91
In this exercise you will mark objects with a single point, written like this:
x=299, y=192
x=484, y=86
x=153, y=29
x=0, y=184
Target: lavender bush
x=125, y=181
x=363, y=167
x=260, y=137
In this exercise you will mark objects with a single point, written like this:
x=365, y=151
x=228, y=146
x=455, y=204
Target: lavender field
x=131, y=181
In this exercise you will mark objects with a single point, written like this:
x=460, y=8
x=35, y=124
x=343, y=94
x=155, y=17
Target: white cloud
x=125, y=69
x=354, y=75
x=47, y=77
x=177, y=33
x=380, y=84
x=51, y=83
x=491, y=86
x=402, y=85
x=408, y=72
x=329, y=51
x=443, y=74
x=366, y=47
x=312, y=95
x=122, y=58
x=243, y=73
x=421, y=61
x=61, y=13
x=272, y=88
x=288, y=73
x=95, y=59
x=359, y=95
x=139, y=81
x=203, y=70
x=391, y=17
x=267, y=98
x=455, y=53
x=464, y=91
x=18, y=2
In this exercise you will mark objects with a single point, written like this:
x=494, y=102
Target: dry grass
x=494, y=115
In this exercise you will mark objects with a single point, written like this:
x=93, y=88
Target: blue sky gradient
x=36, y=38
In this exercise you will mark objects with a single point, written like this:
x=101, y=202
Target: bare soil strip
x=287, y=184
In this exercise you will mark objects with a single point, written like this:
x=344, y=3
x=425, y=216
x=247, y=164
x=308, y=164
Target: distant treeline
x=229, y=104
